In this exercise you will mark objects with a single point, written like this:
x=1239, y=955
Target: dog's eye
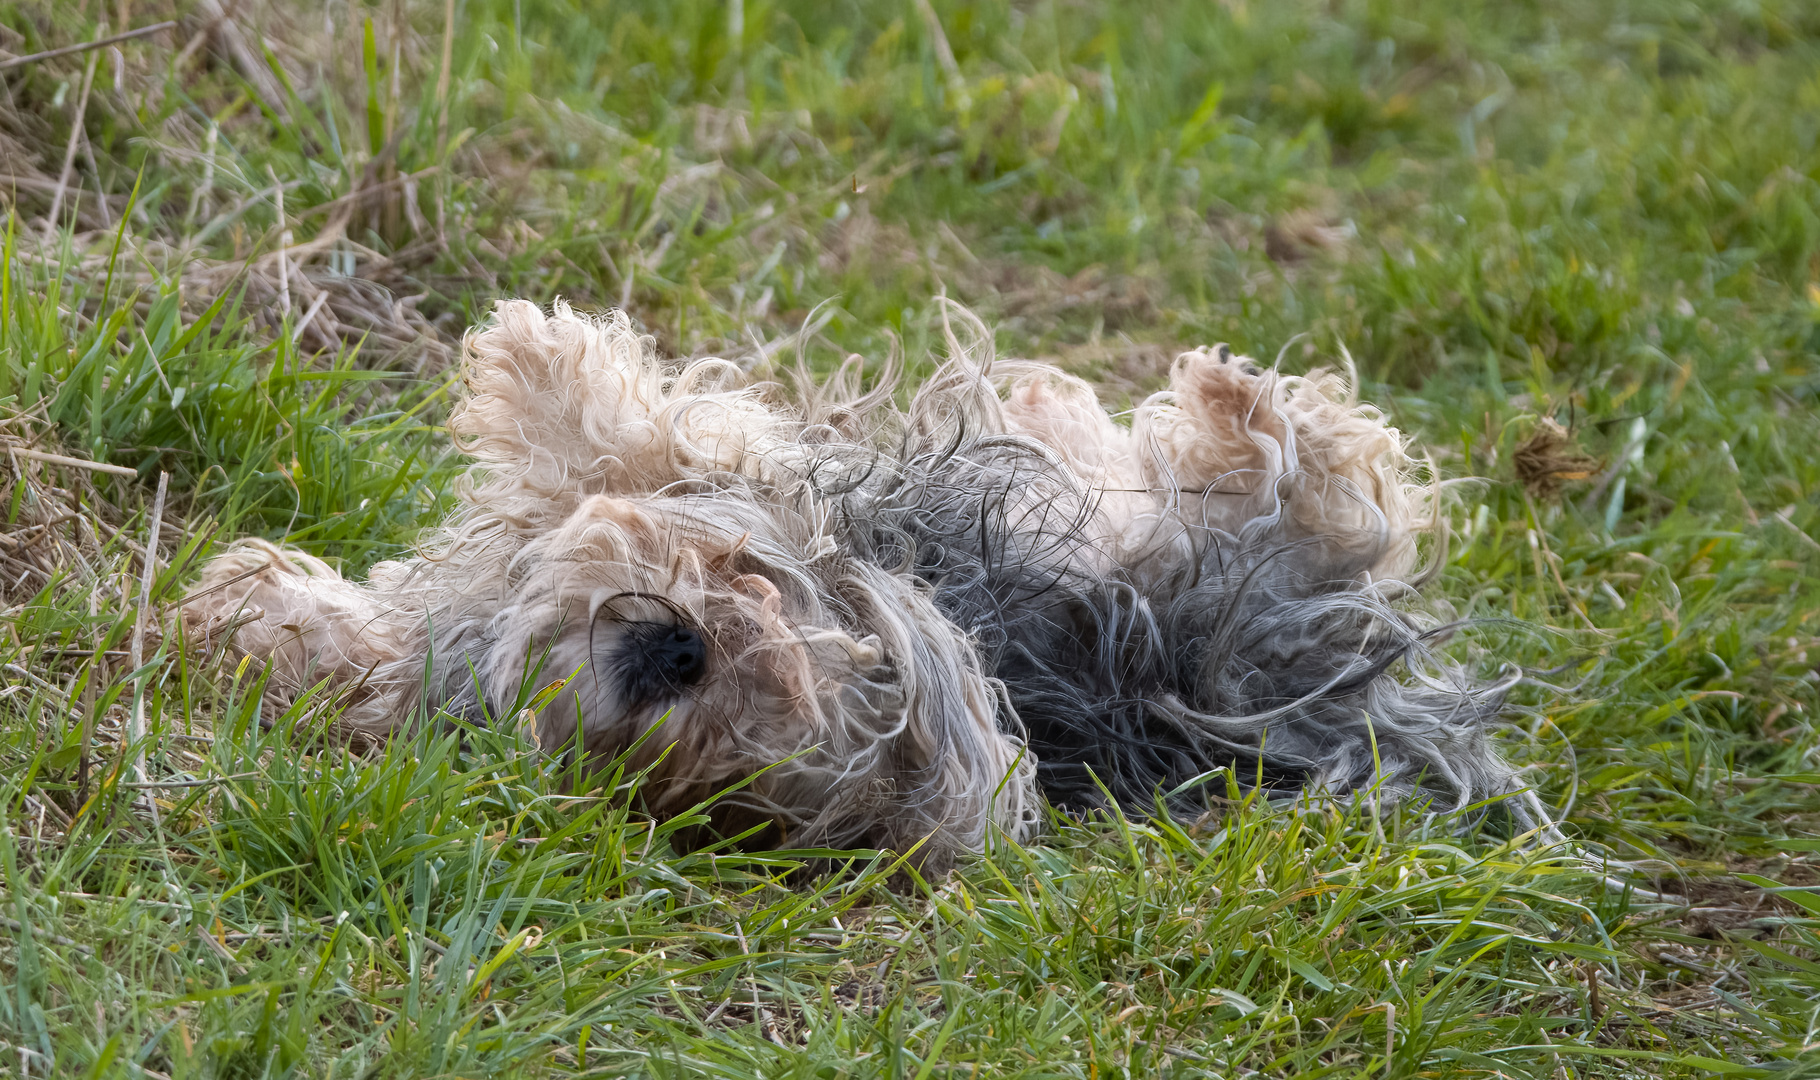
x=657, y=660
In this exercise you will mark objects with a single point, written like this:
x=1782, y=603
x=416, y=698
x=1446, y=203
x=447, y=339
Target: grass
x=1603, y=214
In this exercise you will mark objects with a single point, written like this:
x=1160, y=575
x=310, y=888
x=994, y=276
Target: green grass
x=1607, y=214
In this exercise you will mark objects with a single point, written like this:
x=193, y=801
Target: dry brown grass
x=1549, y=457
x=61, y=526
x=304, y=263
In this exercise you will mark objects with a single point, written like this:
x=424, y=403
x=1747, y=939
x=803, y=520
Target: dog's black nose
x=680, y=656
x=655, y=661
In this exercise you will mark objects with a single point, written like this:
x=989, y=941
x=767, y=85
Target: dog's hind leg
x=1248, y=447
x=1297, y=500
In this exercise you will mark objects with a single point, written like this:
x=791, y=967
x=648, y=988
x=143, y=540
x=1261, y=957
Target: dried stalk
x=74, y=463
x=135, y=731
x=71, y=50
x=284, y=246
x=69, y=153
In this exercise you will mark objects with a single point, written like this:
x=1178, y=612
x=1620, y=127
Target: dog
x=901, y=628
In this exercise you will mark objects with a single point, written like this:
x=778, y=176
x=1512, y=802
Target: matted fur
x=863, y=614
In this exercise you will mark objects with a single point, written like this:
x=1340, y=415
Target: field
x=1573, y=248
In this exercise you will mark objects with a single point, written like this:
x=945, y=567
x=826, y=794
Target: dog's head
x=646, y=536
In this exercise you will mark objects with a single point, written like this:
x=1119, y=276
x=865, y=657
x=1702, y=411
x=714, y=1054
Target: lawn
x=1573, y=247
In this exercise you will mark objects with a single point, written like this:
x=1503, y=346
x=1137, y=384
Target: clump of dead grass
x=66, y=546
x=307, y=264
x=62, y=524
x=1548, y=457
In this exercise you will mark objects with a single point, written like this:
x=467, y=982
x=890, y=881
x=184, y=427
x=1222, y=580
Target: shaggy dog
x=890, y=627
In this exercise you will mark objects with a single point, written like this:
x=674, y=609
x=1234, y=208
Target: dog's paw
x=1226, y=391
x=1225, y=429
x=1223, y=354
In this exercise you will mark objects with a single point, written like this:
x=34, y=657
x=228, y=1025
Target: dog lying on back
x=894, y=626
